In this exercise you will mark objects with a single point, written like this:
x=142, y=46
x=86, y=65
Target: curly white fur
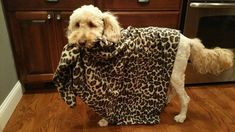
x=212, y=61
x=87, y=24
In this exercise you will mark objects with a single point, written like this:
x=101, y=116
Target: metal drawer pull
x=52, y=1
x=212, y=5
x=58, y=17
x=38, y=21
x=49, y=16
x=143, y=1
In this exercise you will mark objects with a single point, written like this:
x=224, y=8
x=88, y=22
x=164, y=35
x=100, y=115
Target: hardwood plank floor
x=212, y=108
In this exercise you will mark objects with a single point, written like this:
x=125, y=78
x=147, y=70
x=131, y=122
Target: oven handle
x=212, y=5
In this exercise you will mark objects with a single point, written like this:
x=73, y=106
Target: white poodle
x=87, y=24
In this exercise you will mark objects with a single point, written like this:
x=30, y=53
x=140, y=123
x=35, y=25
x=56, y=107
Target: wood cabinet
x=48, y=5
x=162, y=13
x=144, y=19
x=34, y=40
x=140, y=5
x=38, y=38
x=38, y=28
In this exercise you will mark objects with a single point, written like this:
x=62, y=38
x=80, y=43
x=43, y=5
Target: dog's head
x=88, y=24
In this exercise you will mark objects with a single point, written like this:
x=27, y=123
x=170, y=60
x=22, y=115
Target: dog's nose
x=82, y=43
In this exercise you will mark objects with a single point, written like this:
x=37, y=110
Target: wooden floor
x=212, y=108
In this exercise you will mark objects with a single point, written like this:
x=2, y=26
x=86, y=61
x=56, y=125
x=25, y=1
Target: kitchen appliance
x=213, y=21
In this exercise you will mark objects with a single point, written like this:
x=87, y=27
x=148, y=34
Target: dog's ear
x=112, y=28
x=68, y=32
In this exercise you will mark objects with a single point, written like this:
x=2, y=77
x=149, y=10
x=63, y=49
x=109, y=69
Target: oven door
x=214, y=24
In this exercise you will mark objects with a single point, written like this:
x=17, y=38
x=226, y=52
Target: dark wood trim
x=42, y=5
x=38, y=78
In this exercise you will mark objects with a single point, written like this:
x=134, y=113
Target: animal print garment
x=124, y=82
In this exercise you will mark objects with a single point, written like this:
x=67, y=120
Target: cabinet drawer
x=135, y=5
x=168, y=19
x=45, y=4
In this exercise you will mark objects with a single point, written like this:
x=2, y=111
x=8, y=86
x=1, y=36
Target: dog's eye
x=77, y=24
x=91, y=25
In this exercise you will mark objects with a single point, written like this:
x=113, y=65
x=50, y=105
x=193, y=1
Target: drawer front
x=135, y=5
x=45, y=4
x=168, y=19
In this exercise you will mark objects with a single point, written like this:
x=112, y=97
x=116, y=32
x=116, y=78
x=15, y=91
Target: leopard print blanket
x=124, y=82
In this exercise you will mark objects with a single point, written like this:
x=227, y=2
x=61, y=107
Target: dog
x=88, y=24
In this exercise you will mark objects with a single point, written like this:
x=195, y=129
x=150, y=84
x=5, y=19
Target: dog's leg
x=178, y=85
x=178, y=77
x=171, y=94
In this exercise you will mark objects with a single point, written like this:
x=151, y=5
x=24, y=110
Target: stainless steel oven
x=213, y=21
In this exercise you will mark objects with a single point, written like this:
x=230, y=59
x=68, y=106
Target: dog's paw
x=103, y=123
x=180, y=118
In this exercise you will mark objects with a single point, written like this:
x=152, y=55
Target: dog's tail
x=212, y=61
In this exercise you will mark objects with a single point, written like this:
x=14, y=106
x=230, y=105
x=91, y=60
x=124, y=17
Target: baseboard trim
x=9, y=104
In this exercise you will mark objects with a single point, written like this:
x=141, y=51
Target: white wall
x=8, y=75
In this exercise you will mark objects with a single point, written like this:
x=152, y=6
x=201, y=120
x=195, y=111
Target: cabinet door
x=62, y=21
x=168, y=19
x=34, y=43
x=135, y=5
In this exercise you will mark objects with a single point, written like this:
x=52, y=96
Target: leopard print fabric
x=124, y=82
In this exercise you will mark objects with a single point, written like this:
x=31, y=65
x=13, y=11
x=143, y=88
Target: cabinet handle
x=212, y=5
x=49, y=16
x=52, y=1
x=38, y=21
x=143, y=1
x=58, y=17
